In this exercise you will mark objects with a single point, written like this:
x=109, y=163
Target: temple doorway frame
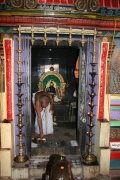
x=82, y=84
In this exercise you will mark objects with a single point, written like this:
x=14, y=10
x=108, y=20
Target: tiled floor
x=63, y=141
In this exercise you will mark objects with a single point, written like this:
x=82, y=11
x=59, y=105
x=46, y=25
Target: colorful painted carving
x=53, y=83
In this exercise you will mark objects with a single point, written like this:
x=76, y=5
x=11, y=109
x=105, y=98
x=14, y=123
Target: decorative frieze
x=115, y=133
x=87, y=5
x=79, y=20
x=24, y=3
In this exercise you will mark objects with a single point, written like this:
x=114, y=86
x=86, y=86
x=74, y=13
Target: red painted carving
x=63, y=22
x=104, y=53
x=8, y=58
x=103, y=3
x=109, y=3
x=4, y=1
x=57, y=2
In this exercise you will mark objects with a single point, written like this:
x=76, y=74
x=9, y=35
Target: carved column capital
x=26, y=4
x=87, y=5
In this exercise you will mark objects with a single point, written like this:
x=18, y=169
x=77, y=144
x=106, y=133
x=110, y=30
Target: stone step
x=35, y=168
x=37, y=165
x=79, y=177
x=55, y=147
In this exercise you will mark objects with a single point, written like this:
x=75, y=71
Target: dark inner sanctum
x=62, y=60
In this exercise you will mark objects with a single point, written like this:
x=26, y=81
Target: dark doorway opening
x=63, y=59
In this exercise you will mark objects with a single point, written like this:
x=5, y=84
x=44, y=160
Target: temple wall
x=102, y=129
x=3, y=106
x=15, y=129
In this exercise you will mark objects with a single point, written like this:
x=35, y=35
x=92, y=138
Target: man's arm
x=76, y=71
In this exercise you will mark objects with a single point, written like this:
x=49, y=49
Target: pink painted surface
x=104, y=53
x=8, y=58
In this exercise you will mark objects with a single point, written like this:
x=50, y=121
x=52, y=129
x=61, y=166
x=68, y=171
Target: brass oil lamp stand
x=88, y=157
x=21, y=158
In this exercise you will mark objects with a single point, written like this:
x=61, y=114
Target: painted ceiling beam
x=61, y=22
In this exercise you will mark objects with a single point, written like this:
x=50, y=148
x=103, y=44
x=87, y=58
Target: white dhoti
x=47, y=120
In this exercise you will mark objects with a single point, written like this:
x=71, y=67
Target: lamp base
x=21, y=159
x=89, y=158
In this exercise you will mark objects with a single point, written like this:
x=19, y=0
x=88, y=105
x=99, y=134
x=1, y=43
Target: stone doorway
x=86, y=57
x=64, y=139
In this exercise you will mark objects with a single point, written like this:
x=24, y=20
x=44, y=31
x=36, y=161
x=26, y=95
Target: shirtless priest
x=44, y=113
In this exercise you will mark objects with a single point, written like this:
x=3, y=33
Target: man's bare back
x=42, y=99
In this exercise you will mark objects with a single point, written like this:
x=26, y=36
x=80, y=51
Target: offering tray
x=38, y=140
